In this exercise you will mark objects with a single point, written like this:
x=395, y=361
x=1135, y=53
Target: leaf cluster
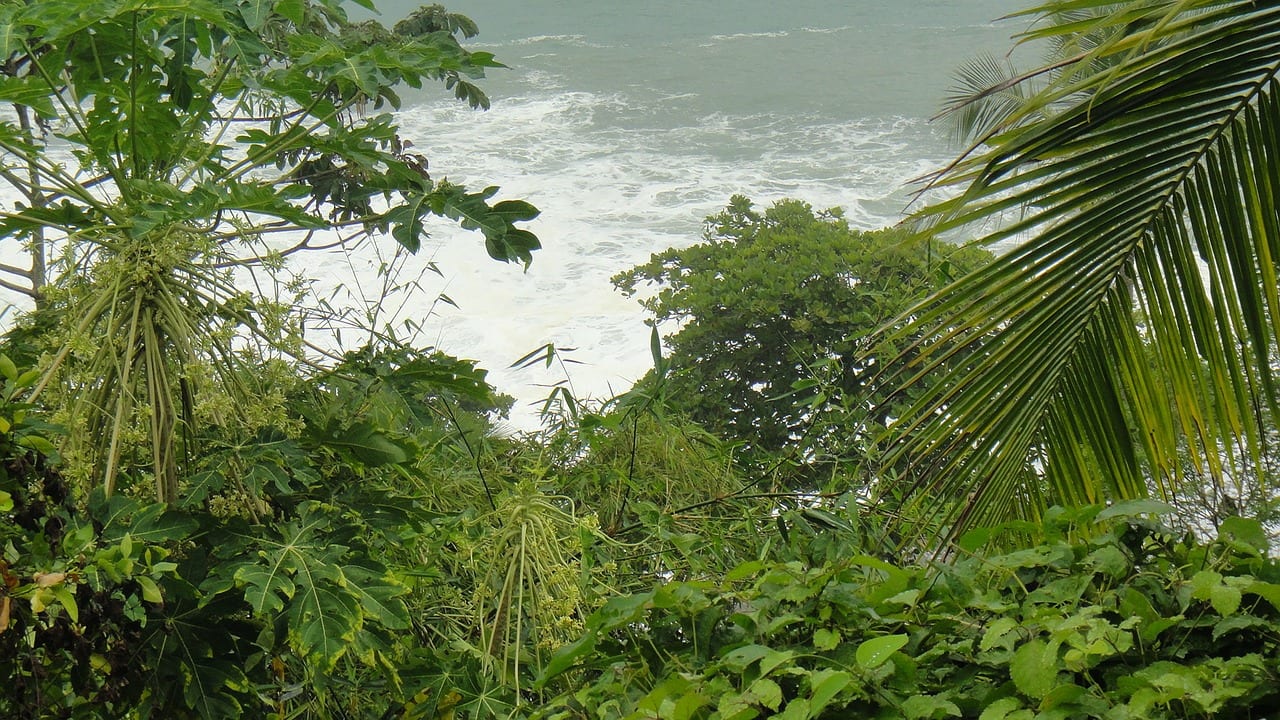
x=1129, y=621
x=279, y=583
x=773, y=313
x=165, y=153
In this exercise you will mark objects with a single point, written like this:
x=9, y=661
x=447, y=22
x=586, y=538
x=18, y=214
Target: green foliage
x=1134, y=622
x=80, y=585
x=280, y=586
x=774, y=310
x=208, y=141
x=1127, y=342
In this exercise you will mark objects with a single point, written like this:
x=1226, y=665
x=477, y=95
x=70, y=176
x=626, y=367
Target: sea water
x=628, y=123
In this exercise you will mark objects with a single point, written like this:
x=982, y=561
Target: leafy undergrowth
x=1132, y=622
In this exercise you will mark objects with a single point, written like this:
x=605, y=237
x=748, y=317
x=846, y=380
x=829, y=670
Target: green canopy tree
x=163, y=152
x=1131, y=333
x=774, y=310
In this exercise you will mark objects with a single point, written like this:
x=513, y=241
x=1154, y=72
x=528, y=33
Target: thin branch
x=254, y=119
x=15, y=270
x=21, y=289
x=302, y=246
x=475, y=456
x=22, y=186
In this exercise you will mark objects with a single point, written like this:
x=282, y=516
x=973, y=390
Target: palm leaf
x=1129, y=335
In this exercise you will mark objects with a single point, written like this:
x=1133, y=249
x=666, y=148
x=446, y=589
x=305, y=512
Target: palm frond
x=1134, y=323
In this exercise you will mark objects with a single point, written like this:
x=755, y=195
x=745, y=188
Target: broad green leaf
x=67, y=600
x=767, y=693
x=266, y=589
x=736, y=706
x=1246, y=530
x=8, y=369
x=566, y=657
x=369, y=445
x=150, y=591
x=1034, y=668
x=291, y=10
x=998, y=634
x=438, y=373
x=29, y=91
x=1110, y=561
x=620, y=611
x=204, y=682
x=514, y=211
x=12, y=33
x=1225, y=599
x=38, y=443
x=406, y=222
x=797, y=709
x=154, y=523
x=323, y=620
x=381, y=602
x=1236, y=623
x=875, y=652
x=1210, y=585
x=1000, y=709
x=740, y=657
x=1066, y=694
x=688, y=705
x=1268, y=591
x=744, y=571
x=662, y=692
x=826, y=685
x=256, y=13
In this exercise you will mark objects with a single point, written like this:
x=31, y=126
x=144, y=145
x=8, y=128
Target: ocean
x=628, y=123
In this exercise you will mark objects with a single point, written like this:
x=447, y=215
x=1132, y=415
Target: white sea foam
x=548, y=38
x=571, y=40
x=747, y=36
x=828, y=30
x=610, y=197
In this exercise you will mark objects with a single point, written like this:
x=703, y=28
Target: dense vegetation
x=870, y=475
x=776, y=312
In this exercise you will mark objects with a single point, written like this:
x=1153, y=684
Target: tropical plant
x=990, y=91
x=1131, y=332
x=294, y=578
x=772, y=314
x=1137, y=622
x=166, y=156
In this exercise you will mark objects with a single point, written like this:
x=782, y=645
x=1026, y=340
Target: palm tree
x=1129, y=338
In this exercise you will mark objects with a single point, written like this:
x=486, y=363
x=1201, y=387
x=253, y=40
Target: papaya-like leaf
x=369, y=445
x=266, y=588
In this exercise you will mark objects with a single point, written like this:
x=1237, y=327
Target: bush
x=1132, y=622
